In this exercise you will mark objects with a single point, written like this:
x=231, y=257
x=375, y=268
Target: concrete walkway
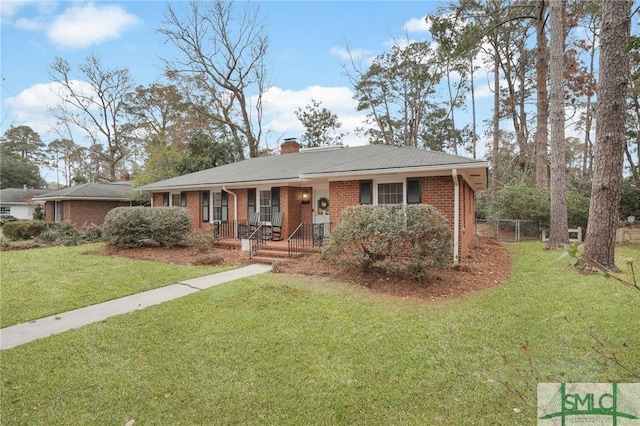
x=19, y=334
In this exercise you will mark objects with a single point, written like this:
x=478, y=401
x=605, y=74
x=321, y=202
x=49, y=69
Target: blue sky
x=307, y=44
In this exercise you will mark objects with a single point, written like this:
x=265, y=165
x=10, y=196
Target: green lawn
x=39, y=282
x=275, y=349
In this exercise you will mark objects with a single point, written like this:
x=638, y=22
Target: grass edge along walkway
x=20, y=334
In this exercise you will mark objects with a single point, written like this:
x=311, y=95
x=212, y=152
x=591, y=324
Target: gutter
x=456, y=215
x=235, y=208
x=238, y=184
x=397, y=170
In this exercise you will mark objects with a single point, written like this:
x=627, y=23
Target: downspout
x=456, y=215
x=235, y=209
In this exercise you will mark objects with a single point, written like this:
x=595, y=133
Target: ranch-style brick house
x=311, y=187
x=86, y=204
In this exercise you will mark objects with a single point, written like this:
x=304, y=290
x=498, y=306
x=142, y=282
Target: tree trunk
x=542, y=101
x=495, y=151
x=474, y=136
x=610, y=134
x=559, y=230
x=587, y=165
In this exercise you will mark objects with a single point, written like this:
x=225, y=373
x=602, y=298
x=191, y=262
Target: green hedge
x=527, y=202
x=131, y=226
x=25, y=229
x=400, y=240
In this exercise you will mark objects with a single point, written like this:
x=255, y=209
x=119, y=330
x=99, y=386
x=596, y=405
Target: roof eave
x=443, y=167
x=83, y=199
x=231, y=185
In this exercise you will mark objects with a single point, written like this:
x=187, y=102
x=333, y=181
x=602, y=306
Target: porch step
x=270, y=255
x=266, y=260
x=275, y=253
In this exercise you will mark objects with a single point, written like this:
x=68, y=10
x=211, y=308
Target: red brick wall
x=157, y=199
x=48, y=210
x=306, y=210
x=437, y=191
x=343, y=194
x=290, y=199
x=243, y=198
x=193, y=207
x=81, y=212
x=290, y=204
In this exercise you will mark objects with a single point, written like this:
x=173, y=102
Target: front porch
x=258, y=242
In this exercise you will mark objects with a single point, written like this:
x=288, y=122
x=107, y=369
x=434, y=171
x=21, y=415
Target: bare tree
x=610, y=142
x=559, y=228
x=95, y=105
x=221, y=57
x=542, y=99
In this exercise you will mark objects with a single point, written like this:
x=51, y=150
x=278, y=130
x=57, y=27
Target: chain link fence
x=519, y=230
x=509, y=229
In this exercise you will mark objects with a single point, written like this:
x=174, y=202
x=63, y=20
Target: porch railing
x=230, y=230
x=256, y=240
x=308, y=234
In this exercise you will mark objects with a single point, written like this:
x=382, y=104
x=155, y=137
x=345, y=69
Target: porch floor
x=266, y=245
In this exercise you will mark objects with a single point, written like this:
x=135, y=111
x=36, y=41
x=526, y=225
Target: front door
x=320, y=216
x=321, y=206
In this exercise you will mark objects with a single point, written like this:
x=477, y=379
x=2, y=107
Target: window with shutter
x=366, y=192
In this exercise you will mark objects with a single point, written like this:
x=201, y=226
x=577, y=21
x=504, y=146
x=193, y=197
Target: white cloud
x=30, y=24
x=345, y=54
x=280, y=106
x=417, y=25
x=10, y=8
x=83, y=26
x=31, y=106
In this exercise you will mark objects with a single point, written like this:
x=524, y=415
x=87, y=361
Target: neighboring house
x=18, y=201
x=314, y=186
x=86, y=204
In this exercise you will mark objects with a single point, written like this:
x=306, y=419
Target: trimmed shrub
x=24, y=229
x=130, y=226
x=401, y=240
x=127, y=226
x=170, y=226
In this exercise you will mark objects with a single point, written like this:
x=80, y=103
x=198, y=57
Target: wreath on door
x=323, y=203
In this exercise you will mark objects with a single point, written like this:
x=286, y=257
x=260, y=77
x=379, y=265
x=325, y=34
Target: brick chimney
x=290, y=146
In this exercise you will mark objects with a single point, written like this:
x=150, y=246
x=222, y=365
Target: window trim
x=402, y=193
x=223, y=207
x=261, y=206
